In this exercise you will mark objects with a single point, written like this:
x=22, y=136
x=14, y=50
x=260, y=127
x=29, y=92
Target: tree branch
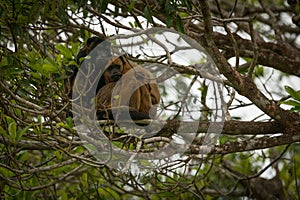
x=249, y=145
x=244, y=85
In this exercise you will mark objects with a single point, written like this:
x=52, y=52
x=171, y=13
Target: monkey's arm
x=121, y=113
x=155, y=95
x=141, y=85
x=105, y=110
x=104, y=96
x=145, y=77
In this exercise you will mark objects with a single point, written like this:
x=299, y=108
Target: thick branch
x=229, y=128
x=252, y=144
x=170, y=128
x=277, y=56
x=244, y=85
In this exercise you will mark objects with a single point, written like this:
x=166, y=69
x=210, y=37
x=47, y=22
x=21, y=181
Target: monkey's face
x=115, y=70
x=113, y=73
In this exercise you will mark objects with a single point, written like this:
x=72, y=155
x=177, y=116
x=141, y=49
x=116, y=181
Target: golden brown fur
x=135, y=80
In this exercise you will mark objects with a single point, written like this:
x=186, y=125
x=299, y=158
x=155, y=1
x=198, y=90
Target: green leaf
x=117, y=97
x=111, y=192
x=85, y=13
x=6, y=172
x=169, y=9
x=296, y=109
x=179, y=25
x=292, y=92
x=62, y=15
x=131, y=5
x=203, y=90
x=3, y=132
x=67, y=125
x=72, y=62
x=166, y=194
x=116, y=11
x=259, y=71
x=12, y=130
x=15, y=29
x=131, y=24
x=291, y=103
x=64, y=50
x=84, y=180
x=58, y=155
x=148, y=15
x=188, y=4
x=103, y=5
x=50, y=66
x=69, y=122
x=169, y=21
x=36, y=75
x=21, y=132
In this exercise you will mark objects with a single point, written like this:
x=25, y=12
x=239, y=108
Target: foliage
x=295, y=95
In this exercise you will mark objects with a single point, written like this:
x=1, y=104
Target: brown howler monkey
x=143, y=96
x=127, y=84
